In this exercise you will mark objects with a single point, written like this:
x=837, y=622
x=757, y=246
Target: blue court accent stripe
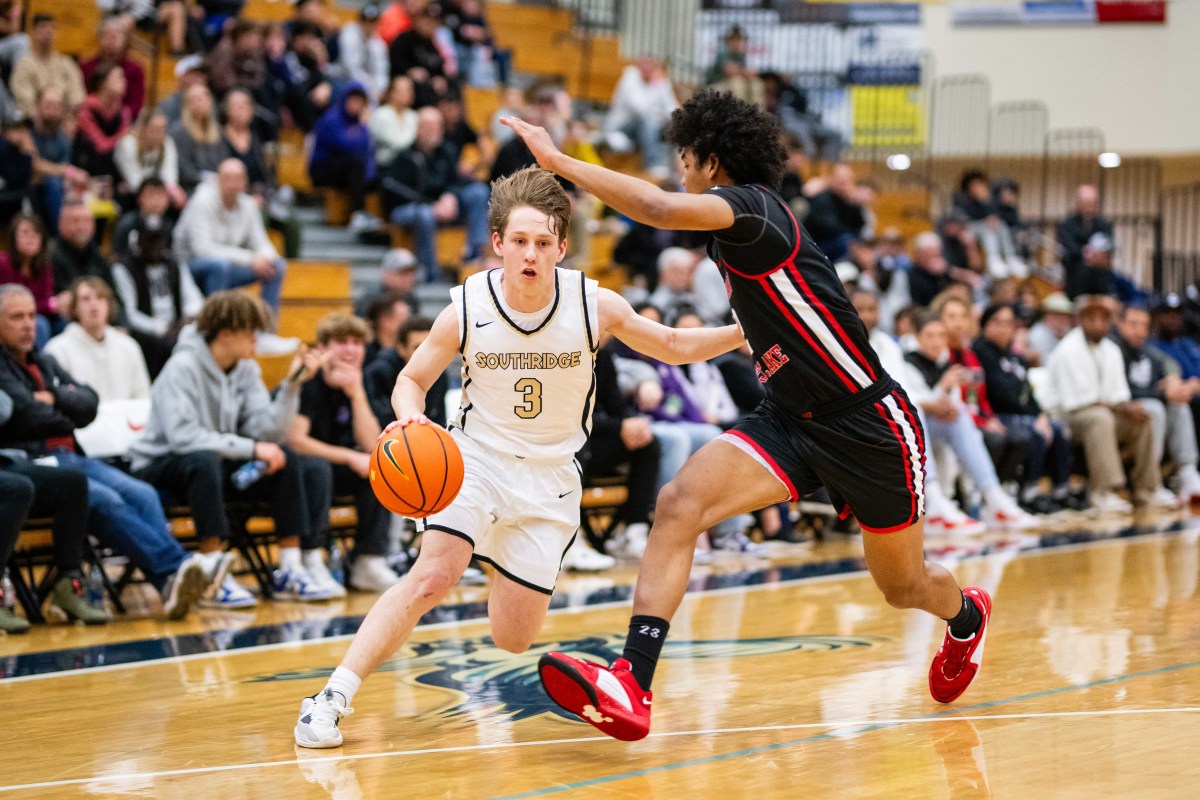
x=750, y=751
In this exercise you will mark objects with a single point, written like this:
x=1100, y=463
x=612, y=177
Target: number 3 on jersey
x=531, y=391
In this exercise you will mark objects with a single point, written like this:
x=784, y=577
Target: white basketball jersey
x=528, y=381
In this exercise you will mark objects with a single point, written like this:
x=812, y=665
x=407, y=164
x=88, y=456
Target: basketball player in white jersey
x=527, y=334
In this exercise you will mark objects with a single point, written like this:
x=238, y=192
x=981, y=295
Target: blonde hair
x=203, y=131
x=337, y=326
x=102, y=289
x=232, y=310
x=531, y=187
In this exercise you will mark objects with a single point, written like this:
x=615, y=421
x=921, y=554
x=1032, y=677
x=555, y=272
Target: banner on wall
x=858, y=63
x=1057, y=12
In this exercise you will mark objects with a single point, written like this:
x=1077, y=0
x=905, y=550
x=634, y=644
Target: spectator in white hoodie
x=641, y=105
x=96, y=353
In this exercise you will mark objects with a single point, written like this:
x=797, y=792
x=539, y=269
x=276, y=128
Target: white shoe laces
x=330, y=711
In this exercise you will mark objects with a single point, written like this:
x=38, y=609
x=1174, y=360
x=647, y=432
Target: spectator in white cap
x=397, y=275
x=1048, y=331
x=189, y=71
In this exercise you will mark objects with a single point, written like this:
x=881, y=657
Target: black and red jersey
x=810, y=345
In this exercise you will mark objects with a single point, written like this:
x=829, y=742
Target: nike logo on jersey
x=564, y=494
x=481, y=324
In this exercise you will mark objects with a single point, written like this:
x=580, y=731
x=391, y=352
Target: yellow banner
x=887, y=116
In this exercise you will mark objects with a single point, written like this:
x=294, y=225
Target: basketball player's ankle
x=643, y=646
x=344, y=683
x=966, y=622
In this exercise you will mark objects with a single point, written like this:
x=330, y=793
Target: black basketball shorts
x=871, y=458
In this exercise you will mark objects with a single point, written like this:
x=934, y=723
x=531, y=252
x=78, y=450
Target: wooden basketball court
x=784, y=677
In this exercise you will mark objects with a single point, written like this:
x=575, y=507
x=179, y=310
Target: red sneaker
x=607, y=697
x=957, y=662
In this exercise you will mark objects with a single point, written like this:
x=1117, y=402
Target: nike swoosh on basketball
x=481, y=324
x=564, y=494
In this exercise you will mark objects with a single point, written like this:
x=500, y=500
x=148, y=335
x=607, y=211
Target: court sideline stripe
x=861, y=726
x=1041, y=550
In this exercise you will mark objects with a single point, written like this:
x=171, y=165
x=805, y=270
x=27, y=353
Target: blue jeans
x=215, y=275
x=473, y=212
x=965, y=439
x=1052, y=459
x=418, y=219
x=127, y=515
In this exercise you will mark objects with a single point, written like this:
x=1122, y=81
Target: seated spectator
x=242, y=143
x=1086, y=240
x=1008, y=447
x=336, y=423
x=1171, y=338
x=423, y=188
x=238, y=61
x=935, y=386
x=146, y=152
x=155, y=288
x=974, y=200
x=170, y=16
x=1154, y=382
x=75, y=254
x=100, y=123
x=48, y=406
x=641, y=105
x=189, y=71
x=223, y=240
x=1011, y=397
x=17, y=153
x=706, y=379
x=308, y=92
x=215, y=16
x=1046, y=333
x=52, y=169
x=197, y=138
x=942, y=513
x=789, y=103
x=113, y=41
x=211, y=415
x=1085, y=381
x=674, y=289
x=93, y=351
x=363, y=55
x=742, y=82
x=480, y=62
x=930, y=274
x=380, y=375
x=510, y=106
x=394, y=20
x=14, y=43
x=459, y=133
x=385, y=315
x=619, y=438
x=25, y=261
x=961, y=248
x=342, y=156
x=837, y=214
x=1006, y=199
x=397, y=276
x=43, y=66
x=393, y=125
x=27, y=489
x=415, y=53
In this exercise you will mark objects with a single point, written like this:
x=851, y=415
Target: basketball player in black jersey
x=832, y=416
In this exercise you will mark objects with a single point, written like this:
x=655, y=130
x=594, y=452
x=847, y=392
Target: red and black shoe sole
x=572, y=692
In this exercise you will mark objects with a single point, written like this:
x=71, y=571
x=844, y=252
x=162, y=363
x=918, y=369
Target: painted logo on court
x=489, y=682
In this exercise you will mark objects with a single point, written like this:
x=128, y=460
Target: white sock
x=1187, y=471
x=210, y=560
x=313, y=558
x=345, y=683
x=997, y=499
x=289, y=558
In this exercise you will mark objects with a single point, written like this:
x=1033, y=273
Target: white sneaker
x=317, y=726
x=296, y=584
x=229, y=594
x=314, y=564
x=737, y=543
x=630, y=542
x=1109, y=503
x=1011, y=517
x=1162, y=497
x=1189, y=486
x=372, y=574
x=954, y=522
x=362, y=222
x=184, y=588
x=581, y=557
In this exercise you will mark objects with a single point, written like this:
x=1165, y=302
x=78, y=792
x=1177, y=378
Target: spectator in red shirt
x=113, y=39
x=102, y=121
x=1008, y=447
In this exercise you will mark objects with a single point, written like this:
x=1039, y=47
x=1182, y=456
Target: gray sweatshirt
x=195, y=405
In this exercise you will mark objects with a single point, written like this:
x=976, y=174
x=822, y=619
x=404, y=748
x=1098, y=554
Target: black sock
x=966, y=621
x=643, y=646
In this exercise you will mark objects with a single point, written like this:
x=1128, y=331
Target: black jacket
x=33, y=422
x=830, y=216
x=1005, y=374
x=380, y=379
x=70, y=263
x=1144, y=368
x=1073, y=233
x=417, y=177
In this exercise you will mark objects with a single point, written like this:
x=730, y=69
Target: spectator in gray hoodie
x=211, y=418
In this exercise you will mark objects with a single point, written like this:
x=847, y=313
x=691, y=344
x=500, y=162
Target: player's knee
x=512, y=641
x=433, y=583
x=674, y=504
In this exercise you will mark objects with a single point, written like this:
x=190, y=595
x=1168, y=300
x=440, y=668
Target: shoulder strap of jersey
x=460, y=299
x=591, y=314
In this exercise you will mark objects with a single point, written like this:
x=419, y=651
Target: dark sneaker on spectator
x=68, y=599
x=1074, y=501
x=1040, y=505
x=11, y=623
x=184, y=588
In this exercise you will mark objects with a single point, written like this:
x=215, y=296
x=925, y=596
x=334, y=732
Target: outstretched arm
x=422, y=370
x=669, y=345
x=631, y=196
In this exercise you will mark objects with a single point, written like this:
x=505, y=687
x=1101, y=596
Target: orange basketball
x=416, y=470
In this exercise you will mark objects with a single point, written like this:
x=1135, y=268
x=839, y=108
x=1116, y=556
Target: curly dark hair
x=745, y=139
